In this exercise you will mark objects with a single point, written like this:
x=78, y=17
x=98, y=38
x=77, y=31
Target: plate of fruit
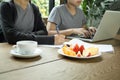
x=79, y=51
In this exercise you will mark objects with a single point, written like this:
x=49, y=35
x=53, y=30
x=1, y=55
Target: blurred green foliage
x=44, y=6
x=94, y=10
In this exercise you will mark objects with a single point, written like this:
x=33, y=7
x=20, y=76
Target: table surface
x=52, y=66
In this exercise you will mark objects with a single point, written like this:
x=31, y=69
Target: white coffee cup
x=26, y=47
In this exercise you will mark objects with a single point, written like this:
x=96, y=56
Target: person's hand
x=82, y=31
x=92, y=30
x=86, y=32
x=59, y=39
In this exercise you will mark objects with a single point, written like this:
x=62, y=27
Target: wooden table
x=52, y=66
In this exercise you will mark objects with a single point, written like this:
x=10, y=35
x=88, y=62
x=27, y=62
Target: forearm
x=64, y=32
x=44, y=39
x=40, y=32
x=13, y=37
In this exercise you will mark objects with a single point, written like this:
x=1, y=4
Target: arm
x=51, y=27
x=39, y=26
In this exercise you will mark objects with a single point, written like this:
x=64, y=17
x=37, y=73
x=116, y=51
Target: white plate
x=16, y=54
x=61, y=52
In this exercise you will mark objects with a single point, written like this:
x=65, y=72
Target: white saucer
x=16, y=54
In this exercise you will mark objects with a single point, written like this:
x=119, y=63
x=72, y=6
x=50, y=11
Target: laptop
x=107, y=28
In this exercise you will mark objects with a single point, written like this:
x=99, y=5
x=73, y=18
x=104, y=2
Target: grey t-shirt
x=25, y=19
x=64, y=20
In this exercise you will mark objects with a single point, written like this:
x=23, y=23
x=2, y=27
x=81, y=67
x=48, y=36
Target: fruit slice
x=79, y=54
x=68, y=51
x=86, y=53
x=93, y=50
x=81, y=48
x=76, y=48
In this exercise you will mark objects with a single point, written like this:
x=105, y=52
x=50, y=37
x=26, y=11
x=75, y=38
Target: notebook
x=107, y=28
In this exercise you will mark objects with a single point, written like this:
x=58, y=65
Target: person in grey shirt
x=68, y=19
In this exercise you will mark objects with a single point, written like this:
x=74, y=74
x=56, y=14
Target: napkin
x=51, y=46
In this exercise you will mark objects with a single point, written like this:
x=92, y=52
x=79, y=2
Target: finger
x=92, y=31
x=87, y=34
x=63, y=36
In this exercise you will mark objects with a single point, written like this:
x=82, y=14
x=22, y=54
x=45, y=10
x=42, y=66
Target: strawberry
x=89, y=54
x=81, y=48
x=79, y=54
x=76, y=48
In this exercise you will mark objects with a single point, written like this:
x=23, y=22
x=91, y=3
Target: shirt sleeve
x=54, y=16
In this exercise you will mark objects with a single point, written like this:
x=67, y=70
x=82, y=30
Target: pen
x=57, y=29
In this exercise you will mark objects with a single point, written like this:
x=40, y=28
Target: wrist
x=72, y=31
x=69, y=31
x=55, y=40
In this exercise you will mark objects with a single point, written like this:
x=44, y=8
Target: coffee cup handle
x=14, y=47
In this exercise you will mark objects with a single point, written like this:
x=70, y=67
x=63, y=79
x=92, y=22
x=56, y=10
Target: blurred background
x=93, y=9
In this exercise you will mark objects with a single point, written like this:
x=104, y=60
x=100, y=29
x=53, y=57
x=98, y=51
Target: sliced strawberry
x=79, y=54
x=81, y=48
x=76, y=48
x=89, y=54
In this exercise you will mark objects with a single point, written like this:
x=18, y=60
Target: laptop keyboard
x=91, y=37
x=81, y=36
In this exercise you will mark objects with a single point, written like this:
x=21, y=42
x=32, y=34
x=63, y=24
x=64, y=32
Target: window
x=57, y=2
x=45, y=5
